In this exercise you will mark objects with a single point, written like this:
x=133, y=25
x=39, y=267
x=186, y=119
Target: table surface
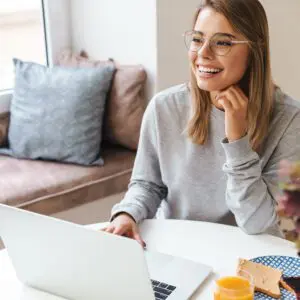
x=216, y=245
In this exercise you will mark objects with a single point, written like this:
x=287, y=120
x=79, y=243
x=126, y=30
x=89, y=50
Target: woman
x=210, y=148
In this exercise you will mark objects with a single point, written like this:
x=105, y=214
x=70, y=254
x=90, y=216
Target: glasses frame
x=234, y=42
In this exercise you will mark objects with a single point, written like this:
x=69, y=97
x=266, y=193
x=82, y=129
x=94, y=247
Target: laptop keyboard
x=162, y=290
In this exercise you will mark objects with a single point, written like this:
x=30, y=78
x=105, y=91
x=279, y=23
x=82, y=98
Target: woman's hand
x=235, y=104
x=125, y=225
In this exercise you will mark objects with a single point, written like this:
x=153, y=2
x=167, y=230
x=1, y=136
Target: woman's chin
x=209, y=87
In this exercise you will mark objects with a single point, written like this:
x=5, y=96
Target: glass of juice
x=239, y=287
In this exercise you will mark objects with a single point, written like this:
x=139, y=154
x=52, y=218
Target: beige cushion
x=4, y=122
x=126, y=104
x=68, y=59
x=50, y=187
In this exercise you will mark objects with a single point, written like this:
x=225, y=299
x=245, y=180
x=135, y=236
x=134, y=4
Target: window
x=22, y=35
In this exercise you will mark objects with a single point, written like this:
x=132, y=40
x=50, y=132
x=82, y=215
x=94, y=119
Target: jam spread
x=294, y=284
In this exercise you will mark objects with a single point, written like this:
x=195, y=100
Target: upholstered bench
x=50, y=187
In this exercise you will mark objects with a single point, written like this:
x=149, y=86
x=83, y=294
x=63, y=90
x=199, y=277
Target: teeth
x=207, y=70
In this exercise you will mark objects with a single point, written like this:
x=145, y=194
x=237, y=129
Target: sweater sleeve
x=251, y=191
x=146, y=189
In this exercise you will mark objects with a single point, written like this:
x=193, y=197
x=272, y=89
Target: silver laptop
x=78, y=263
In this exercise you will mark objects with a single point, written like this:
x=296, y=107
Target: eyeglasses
x=220, y=44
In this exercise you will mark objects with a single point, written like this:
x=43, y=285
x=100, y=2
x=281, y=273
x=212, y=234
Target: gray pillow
x=56, y=113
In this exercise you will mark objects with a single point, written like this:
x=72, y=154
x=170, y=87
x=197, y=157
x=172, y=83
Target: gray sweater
x=217, y=182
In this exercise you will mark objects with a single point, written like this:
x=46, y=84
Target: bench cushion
x=50, y=187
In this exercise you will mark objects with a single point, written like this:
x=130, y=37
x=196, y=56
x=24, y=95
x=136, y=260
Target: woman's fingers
x=120, y=230
x=125, y=225
x=229, y=98
x=110, y=228
x=124, y=231
x=240, y=97
x=241, y=94
x=235, y=96
x=137, y=237
x=225, y=103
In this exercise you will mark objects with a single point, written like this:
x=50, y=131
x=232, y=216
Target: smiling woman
x=238, y=48
x=210, y=148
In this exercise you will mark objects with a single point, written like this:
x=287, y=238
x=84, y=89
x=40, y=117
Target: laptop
x=79, y=263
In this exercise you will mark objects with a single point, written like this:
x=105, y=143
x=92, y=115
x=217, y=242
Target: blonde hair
x=248, y=18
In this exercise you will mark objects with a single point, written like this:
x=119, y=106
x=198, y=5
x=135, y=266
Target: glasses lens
x=193, y=41
x=221, y=44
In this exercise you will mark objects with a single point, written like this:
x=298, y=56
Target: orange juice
x=234, y=288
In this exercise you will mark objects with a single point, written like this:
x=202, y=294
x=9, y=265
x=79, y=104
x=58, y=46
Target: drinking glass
x=239, y=287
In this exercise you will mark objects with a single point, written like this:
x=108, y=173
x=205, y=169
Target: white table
x=217, y=245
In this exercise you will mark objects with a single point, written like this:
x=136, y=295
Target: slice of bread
x=266, y=279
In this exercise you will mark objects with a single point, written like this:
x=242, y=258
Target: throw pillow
x=126, y=104
x=57, y=113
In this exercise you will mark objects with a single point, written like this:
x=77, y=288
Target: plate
x=290, y=267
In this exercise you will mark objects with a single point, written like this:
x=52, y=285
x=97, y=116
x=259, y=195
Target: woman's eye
x=197, y=40
x=224, y=43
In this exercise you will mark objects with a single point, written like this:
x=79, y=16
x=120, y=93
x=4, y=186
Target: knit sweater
x=221, y=181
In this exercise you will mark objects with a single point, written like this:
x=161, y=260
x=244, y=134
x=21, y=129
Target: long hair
x=247, y=17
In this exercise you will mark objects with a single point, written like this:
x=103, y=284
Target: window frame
x=45, y=31
x=54, y=39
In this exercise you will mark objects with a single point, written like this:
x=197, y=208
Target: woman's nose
x=205, y=51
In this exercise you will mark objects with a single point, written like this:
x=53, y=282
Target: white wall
x=134, y=31
x=284, y=23
x=174, y=17
x=150, y=32
x=123, y=30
